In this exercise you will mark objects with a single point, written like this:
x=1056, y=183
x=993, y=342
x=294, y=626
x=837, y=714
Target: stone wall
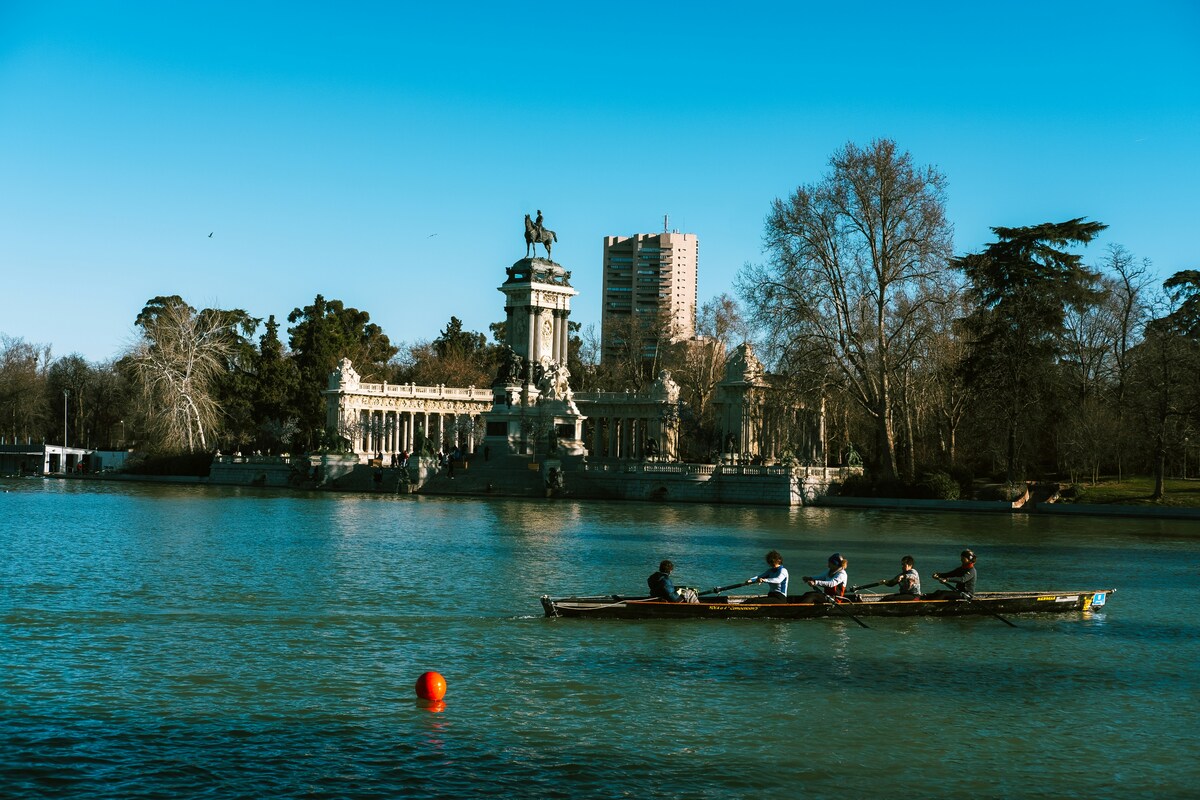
x=275, y=471
x=702, y=483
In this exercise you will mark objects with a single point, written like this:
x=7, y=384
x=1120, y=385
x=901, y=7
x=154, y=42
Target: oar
x=866, y=586
x=719, y=589
x=838, y=606
x=970, y=598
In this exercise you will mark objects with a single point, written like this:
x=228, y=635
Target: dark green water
x=191, y=642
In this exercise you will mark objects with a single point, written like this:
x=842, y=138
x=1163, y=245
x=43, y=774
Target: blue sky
x=384, y=154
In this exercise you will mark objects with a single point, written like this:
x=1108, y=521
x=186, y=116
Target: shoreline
x=1001, y=507
x=825, y=501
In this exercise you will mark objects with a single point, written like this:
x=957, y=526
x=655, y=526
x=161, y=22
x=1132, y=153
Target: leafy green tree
x=1167, y=372
x=1021, y=286
x=235, y=387
x=322, y=334
x=456, y=341
x=1184, y=291
x=275, y=386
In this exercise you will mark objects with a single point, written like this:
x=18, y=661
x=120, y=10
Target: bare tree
x=854, y=260
x=636, y=347
x=175, y=365
x=589, y=357
x=23, y=368
x=1128, y=281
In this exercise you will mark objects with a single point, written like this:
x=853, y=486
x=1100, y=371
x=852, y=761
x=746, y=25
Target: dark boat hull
x=865, y=605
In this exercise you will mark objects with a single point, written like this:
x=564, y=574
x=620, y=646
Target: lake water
x=163, y=641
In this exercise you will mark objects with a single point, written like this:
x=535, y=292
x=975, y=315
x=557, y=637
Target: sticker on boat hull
x=1098, y=599
x=1069, y=599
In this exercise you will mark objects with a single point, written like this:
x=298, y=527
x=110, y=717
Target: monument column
x=554, y=334
x=565, y=338
x=532, y=350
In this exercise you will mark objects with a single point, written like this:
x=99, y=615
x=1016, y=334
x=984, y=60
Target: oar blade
x=970, y=598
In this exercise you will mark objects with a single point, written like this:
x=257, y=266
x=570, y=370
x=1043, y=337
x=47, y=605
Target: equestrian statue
x=536, y=234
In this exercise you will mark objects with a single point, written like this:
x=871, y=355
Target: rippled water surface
x=160, y=641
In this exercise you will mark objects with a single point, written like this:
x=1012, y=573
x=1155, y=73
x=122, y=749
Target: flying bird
x=430, y=236
x=210, y=235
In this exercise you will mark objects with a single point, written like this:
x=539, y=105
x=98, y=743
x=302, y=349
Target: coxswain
x=663, y=588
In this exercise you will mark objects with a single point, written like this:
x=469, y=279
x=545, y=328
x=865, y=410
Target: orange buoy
x=431, y=686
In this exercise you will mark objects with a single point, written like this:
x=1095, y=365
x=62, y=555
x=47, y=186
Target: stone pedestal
x=533, y=413
x=524, y=421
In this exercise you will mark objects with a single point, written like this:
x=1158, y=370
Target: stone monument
x=534, y=411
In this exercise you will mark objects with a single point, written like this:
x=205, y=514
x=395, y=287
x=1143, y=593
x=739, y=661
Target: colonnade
x=384, y=419
x=393, y=432
x=627, y=437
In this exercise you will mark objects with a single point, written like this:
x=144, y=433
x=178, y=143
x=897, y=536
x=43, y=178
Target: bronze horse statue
x=532, y=238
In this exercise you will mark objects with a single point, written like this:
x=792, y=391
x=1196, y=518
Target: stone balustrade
x=440, y=392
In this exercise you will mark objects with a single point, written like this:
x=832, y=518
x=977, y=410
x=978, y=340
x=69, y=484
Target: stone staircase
x=506, y=476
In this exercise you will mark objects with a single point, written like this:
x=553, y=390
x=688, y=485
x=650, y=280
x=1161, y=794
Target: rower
x=963, y=577
x=832, y=586
x=908, y=580
x=776, y=577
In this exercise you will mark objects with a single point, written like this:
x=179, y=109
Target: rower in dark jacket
x=962, y=576
x=661, y=585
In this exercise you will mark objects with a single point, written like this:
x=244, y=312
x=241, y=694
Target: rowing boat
x=859, y=605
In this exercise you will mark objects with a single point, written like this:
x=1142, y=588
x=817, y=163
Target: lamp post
x=66, y=394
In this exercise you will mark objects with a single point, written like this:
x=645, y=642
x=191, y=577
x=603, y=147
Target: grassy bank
x=1136, y=491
